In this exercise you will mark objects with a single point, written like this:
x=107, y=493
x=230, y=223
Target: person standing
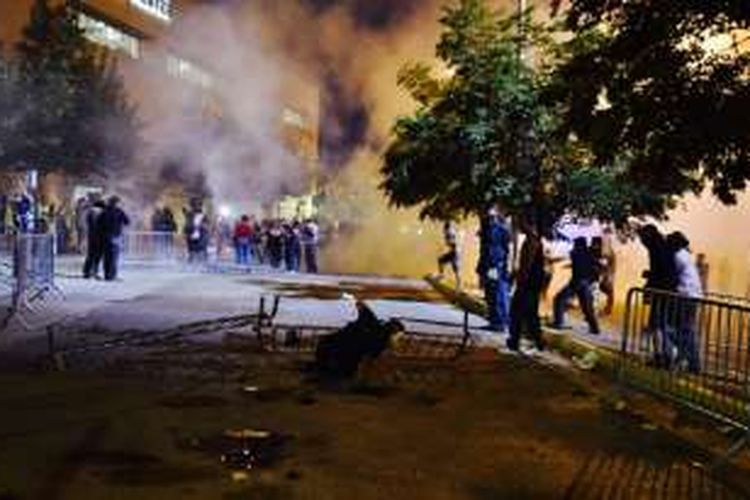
x=492, y=268
x=661, y=277
x=584, y=273
x=292, y=247
x=310, y=244
x=524, y=312
x=113, y=223
x=684, y=313
x=452, y=256
x=275, y=244
x=243, y=233
x=94, y=239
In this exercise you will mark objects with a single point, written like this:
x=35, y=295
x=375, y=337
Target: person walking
x=93, y=230
x=310, y=235
x=452, y=256
x=684, y=313
x=584, y=273
x=492, y=269
x=524, y=309
x=113, y=223
x=243, y=233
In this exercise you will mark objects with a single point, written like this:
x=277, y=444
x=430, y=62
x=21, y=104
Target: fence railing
x=152, y=245
x=27, y=273
x=695, y=351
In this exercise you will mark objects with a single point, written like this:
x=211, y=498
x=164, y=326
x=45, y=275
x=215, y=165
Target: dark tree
x=489, y=133
x=664, y=87
x=72, y=111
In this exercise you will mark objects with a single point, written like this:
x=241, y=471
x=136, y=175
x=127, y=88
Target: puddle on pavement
x=242, y=450
x=138, y=469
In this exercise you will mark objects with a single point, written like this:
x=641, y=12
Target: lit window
x=291, y=117
x=157, y=8
x=104, y=34
x=189, y=71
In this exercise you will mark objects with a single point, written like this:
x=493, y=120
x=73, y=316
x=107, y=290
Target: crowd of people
x=279, y=243
x=513, y=297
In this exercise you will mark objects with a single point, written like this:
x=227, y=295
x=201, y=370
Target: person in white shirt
x=689, y=289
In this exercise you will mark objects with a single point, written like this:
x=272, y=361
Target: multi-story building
x=138, y=34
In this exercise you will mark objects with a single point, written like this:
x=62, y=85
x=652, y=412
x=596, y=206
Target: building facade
x=156, y=68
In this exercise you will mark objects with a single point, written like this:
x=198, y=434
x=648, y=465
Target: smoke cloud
x=350, y=51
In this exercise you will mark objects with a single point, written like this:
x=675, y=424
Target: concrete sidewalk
x=153, y=297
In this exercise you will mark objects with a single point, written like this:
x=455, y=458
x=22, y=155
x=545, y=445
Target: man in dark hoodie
x=113, y=221
x=661, y=276
x=94, y=239
x=584, y=273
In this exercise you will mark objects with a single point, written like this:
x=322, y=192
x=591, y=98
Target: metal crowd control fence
x=152, y=245
x=27, y=275
x=34, y=263
x=694, y=351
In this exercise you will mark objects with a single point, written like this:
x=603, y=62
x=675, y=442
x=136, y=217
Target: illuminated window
x=291, y=117
x=157, y=8
x=104, y=34
x=189, y=71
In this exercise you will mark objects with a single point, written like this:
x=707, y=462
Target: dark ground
x=486, y=427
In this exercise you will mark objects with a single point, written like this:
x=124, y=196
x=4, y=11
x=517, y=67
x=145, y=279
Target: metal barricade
x=693, y=351
x=34, y=261
x=151, y=245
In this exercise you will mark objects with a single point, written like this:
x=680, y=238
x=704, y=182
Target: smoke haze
x=351, y=51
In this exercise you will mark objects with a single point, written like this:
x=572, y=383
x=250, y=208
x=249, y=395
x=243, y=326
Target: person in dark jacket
x=524, y=309
x=113, y=222
x=292, y=247
x=584, y=274
x=275, y=244
x=94, y=239
x=340, y=354
x=661, y=277
x=492, y=268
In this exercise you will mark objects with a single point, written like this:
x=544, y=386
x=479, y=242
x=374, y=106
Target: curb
x=566, y=344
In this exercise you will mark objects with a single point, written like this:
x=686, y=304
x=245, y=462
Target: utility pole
x=521, y=13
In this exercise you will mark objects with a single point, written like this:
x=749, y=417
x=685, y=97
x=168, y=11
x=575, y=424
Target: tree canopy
x=664, y=85
x=489, y=133
x=70, y=111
